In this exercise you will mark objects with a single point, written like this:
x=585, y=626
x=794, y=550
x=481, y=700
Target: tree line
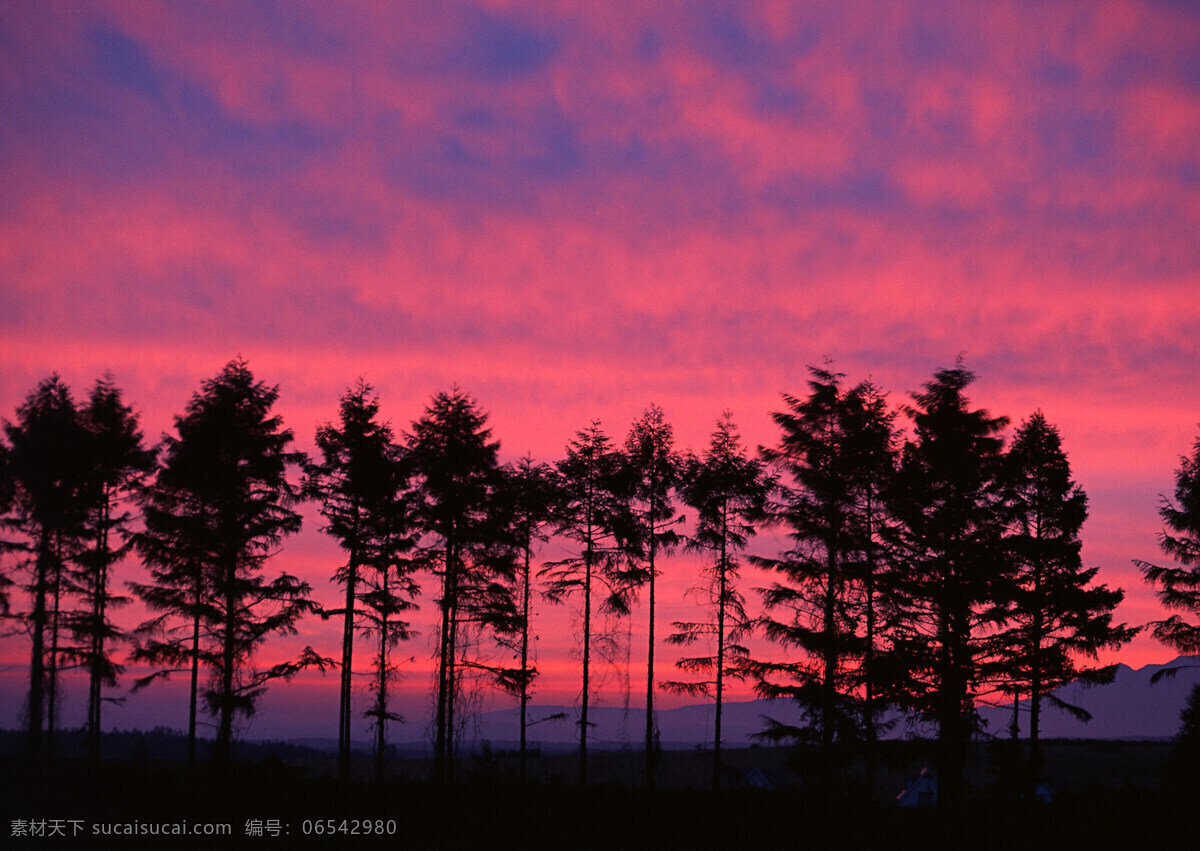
x=928, y=567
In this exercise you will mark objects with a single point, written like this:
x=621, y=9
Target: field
x=1105, y=793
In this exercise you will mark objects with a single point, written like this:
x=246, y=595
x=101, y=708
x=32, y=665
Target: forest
x=933, y=560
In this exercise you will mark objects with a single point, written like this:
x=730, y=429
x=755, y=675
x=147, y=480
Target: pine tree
x=837, y=446
x=219, y=508
x=1058, y=616
x=729, y=492
x=359, y=482
x=1179, y=585
x=48, y=473
x=454, y=461
x=1181, y=778
x=7, y=493
x=117, y=465
x=956, y=578
x=388, y=589
x=654, y=468
x=595, y=516
x=529, y=500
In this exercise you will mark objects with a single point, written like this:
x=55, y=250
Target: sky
x=573, y=210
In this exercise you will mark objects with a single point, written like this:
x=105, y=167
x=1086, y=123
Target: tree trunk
x=195, y=685
x=52, y=666
x=381, y=725
x=96, y=642
x=444, y=668
x=587, y=648
x=525, y=659
x=720, y=679
x=650, y=755
x=344, y=703
x=223, y=745
x=37, y=659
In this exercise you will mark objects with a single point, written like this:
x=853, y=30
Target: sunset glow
x=573, y=210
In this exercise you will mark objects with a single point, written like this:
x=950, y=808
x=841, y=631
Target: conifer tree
x=654, y=468
x=359, y=482
x=218, y=510
x=530, y=497
x=956, y=581
x=48, y=473
x=7, y=489
x=837, y=447
x=1057, y=616
x=454, y=461
x=117, y=465
x=729, y=492
x=1178, y=585
x=595, y=516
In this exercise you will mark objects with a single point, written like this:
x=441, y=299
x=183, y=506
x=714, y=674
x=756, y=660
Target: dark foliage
x=729, y=492
x=361, y=482
x=595, y=516
x=214, y=516
x=1058, y=617
x=465, y=544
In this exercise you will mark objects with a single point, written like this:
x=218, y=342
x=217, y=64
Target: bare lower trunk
x=344, y=704
x=650, y=754
x=721, y=591
x=37, y=660
x=587, y=646
x=524, y=664
x=52, y=665
x=382, y=706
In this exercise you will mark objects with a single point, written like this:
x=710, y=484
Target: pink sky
x=573, y=210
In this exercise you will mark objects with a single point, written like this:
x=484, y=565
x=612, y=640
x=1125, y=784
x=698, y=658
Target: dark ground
x=1107, y=794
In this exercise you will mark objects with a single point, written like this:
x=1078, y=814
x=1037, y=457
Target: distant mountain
x=1128, y=708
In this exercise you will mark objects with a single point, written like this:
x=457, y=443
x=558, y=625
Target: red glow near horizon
x=574, y=211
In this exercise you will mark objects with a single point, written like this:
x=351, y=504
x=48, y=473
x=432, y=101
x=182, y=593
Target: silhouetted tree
x=956, y=577
x=530, y=497
x=729, y=491
x=7, y=492
x=220, y=506
x=595, y=516
x=1057, y=615
x=454, y=459
x=1181, y=777
x=117, y=465
x=654, y=468
x=388, y=589
x=359, y=482
x=1179, y=585
x=838, y=448
x=48, y=468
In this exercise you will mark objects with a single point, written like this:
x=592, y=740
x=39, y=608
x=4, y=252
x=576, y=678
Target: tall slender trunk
x=829, y=669
x=650, y=754
x=525, y=656
x=949, y=700
x=869, y=697
x=444, y=666
x=382, y=705
x=344, y=703
x=1035, y=687
x=193, y=694
x=721, y=593
x=52, y=666
x=221, y=751
x=37, y=659
x=453, y=681
x=96, y=650
x=587, y=648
